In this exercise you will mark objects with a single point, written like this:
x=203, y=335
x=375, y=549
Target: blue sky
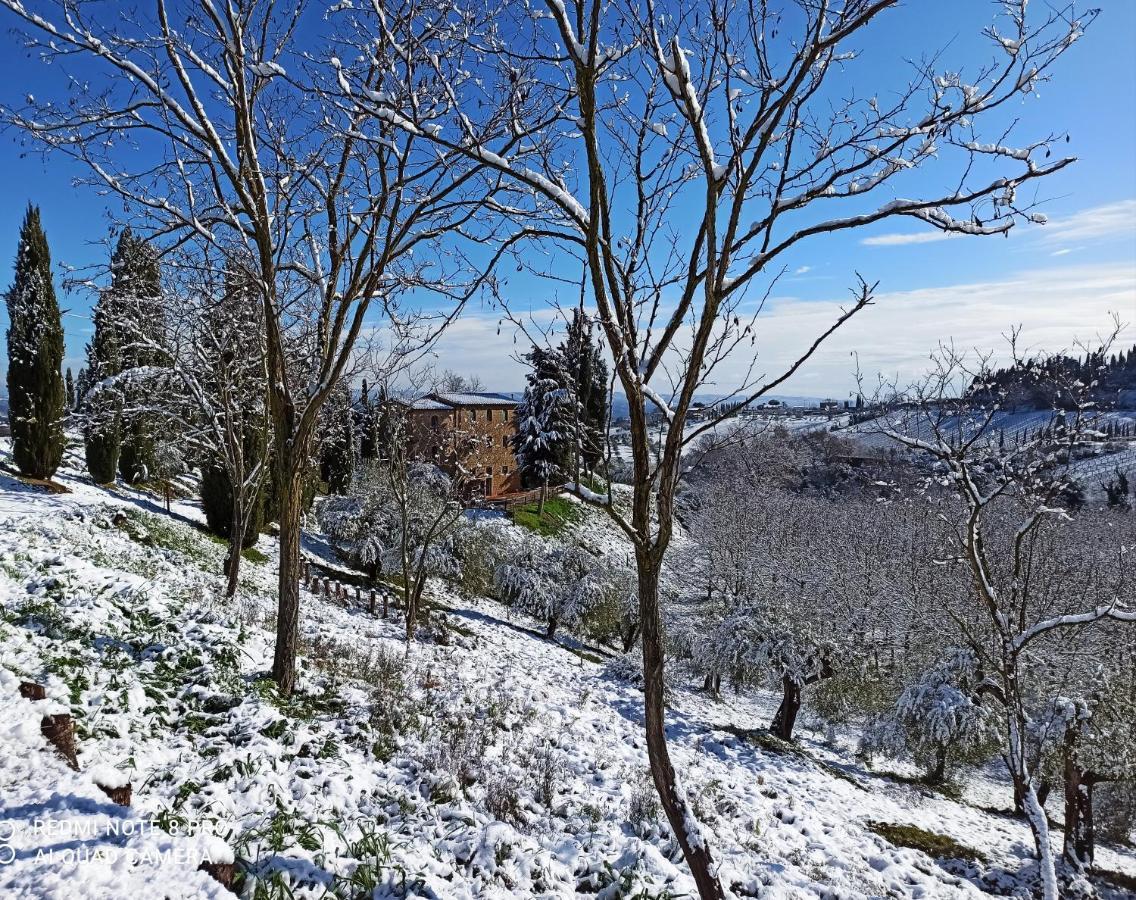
x=1059, y=280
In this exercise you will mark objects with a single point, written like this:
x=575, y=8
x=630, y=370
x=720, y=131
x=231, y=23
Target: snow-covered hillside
x=484, y=762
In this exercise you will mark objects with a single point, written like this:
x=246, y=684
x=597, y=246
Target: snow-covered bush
x=481, y=546
x=938, y=719
x=369, y=530
x=551, y=582
x=614, y=616
x=398, y=520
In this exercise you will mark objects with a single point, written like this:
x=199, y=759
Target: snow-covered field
x=489, y=762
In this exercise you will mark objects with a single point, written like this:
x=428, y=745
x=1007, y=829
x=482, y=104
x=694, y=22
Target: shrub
x=937, y=846
x=217, y=504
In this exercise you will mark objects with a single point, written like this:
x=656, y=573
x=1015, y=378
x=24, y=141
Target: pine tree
x=135, y=293
x=69, y=391
x=337, y=459
x=586, y=379
x=366, y=424
x=36, y=391
x=217, y=497
x=542, y=439
x=102, y=410
x=82, y=384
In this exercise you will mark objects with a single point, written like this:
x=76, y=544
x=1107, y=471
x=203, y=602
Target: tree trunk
x=1080, y=839
x=681, y=818
x=1025, y=787
x=288, y=583
x=236, y=542
x=1040, y=828
x=543, y=497
x=786, y=716
x=630, y=634
x=938, y=772
x=550, y=632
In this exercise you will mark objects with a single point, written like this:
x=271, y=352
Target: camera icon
x=7, y=851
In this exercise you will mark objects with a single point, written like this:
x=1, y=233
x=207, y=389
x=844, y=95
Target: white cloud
x=1099, y=222
x=802, y=270
x=1111, y=220
x=895, y=336
x=915, y=237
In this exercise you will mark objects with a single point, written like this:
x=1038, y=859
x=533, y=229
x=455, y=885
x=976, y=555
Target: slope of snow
x=486, y=763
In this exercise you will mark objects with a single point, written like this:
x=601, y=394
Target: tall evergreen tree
x=366, y=423
x=586, y=379
x=135, y=299
x=82, y=384
x=69, y=390
x=542, y=442
x=102, y=410
x=35, y=354
x=337, y=457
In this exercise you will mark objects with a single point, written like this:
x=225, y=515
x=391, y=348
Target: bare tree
x=230, y=126
x=677, y=155
x=951, y=417
x=426, y=510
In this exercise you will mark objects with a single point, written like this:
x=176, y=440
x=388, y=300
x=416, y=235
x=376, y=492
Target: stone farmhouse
x=469, y=435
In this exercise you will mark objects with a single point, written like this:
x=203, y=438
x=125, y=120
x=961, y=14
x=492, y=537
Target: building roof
x=427, y=403
x=474, y=398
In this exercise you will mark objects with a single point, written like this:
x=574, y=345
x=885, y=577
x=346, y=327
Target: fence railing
x=346, y=595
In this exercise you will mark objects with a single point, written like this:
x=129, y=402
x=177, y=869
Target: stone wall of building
x=478, y=438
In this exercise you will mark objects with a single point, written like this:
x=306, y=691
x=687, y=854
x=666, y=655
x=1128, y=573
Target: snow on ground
x=487, y=762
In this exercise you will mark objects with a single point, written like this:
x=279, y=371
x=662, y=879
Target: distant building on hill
x=469, y=435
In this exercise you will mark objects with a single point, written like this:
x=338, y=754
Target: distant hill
x=619, y=409
x=1033, y=385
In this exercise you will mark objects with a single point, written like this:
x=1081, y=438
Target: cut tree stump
x=223, y=873
x=120, y=795
x=60, y=733
x=32, y=691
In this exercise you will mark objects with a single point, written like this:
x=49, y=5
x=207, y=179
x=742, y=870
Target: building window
x=433, y=421
x=488, y=415
x=488, y=470
x=473, y=415
x=504, y=470
x=506, y=415
x=504, y=440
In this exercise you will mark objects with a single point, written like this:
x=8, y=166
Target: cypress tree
x=135, y=293
x=338, y=458
x=82, y=383
x=367, y=444
x=217, y=495
x=102, y=411
x=36, y=391
x=69, y=382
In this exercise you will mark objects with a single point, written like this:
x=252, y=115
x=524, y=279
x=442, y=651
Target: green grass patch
x=937, y=846
x=559, y=513
x=1121, y=880
x=255, y=556
x=162, y=533
x=586, y=656
x=948, y=789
